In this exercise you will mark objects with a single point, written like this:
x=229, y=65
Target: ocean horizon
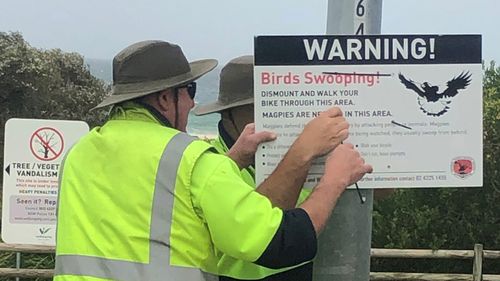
x=207, y=91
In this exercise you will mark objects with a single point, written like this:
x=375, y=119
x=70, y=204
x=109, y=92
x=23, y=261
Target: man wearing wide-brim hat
x=235, y=103
x=139, y=71
x=139, y=199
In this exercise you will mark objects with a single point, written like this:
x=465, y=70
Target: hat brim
x=124, y=92
x=218, y=106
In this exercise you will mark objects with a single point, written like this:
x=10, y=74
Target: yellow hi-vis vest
x=124, y=207
x=248, y=174
x=236, y=268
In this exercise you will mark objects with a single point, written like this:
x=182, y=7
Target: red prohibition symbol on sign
x=46, y=144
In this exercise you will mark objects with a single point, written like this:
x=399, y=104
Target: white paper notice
x=414, y=114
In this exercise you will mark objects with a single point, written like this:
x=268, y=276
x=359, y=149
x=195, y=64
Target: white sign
x=414, y=103
x=33, y=152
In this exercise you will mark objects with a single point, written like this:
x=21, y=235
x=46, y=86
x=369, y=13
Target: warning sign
x=413, y=103
x=34, y=150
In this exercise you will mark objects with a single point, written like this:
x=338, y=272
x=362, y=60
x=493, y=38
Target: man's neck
x=139, y=110
x=228, y=139
x=162, y=119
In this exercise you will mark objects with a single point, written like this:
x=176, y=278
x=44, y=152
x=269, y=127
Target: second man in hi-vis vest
x=235, y=104
x=140, y=199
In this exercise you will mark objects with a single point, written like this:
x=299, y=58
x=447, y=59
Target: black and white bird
x=433, y=102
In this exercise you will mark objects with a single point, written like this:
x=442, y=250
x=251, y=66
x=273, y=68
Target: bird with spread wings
x=433, y=102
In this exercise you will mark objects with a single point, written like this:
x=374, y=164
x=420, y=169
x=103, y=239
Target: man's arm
x=320, y=136
x=245, y=225
x=344, y=166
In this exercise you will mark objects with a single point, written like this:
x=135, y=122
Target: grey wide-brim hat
x=235, y=86
x=147, y=67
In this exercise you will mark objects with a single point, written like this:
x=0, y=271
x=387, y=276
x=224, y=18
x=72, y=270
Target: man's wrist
x=333, y=186
x=300, y=152
x=237, y=159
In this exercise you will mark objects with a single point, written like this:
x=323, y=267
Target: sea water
x=206, y=92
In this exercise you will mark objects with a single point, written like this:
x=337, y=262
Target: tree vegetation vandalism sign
x=414, y=103
x=33, y=152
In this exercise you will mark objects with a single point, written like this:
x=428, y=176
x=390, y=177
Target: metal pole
x=18, y=262
x=344, y=245
x=357, y=17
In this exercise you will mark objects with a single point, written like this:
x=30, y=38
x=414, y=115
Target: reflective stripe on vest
x=159, y=248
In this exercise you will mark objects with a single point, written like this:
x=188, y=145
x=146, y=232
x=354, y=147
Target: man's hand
x=322, y=134
x=344, y=167
x=243, y=150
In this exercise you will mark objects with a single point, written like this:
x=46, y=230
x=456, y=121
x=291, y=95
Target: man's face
x=182, y=107
x=184, y=104
x=243, y=115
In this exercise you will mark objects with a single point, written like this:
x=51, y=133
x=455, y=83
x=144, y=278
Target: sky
x=224, y=29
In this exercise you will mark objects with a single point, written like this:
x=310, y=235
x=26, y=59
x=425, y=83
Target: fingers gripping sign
x=243, y=151
x=345, y=166
x=324, y=133
x=332, y=112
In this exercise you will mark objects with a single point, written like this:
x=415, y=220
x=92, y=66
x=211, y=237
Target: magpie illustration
x=433, y=102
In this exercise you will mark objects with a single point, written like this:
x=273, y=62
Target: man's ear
x=164, y=100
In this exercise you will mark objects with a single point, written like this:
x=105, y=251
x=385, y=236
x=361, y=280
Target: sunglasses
x=191, y=89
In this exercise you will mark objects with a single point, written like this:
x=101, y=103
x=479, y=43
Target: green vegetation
x=44, y=85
